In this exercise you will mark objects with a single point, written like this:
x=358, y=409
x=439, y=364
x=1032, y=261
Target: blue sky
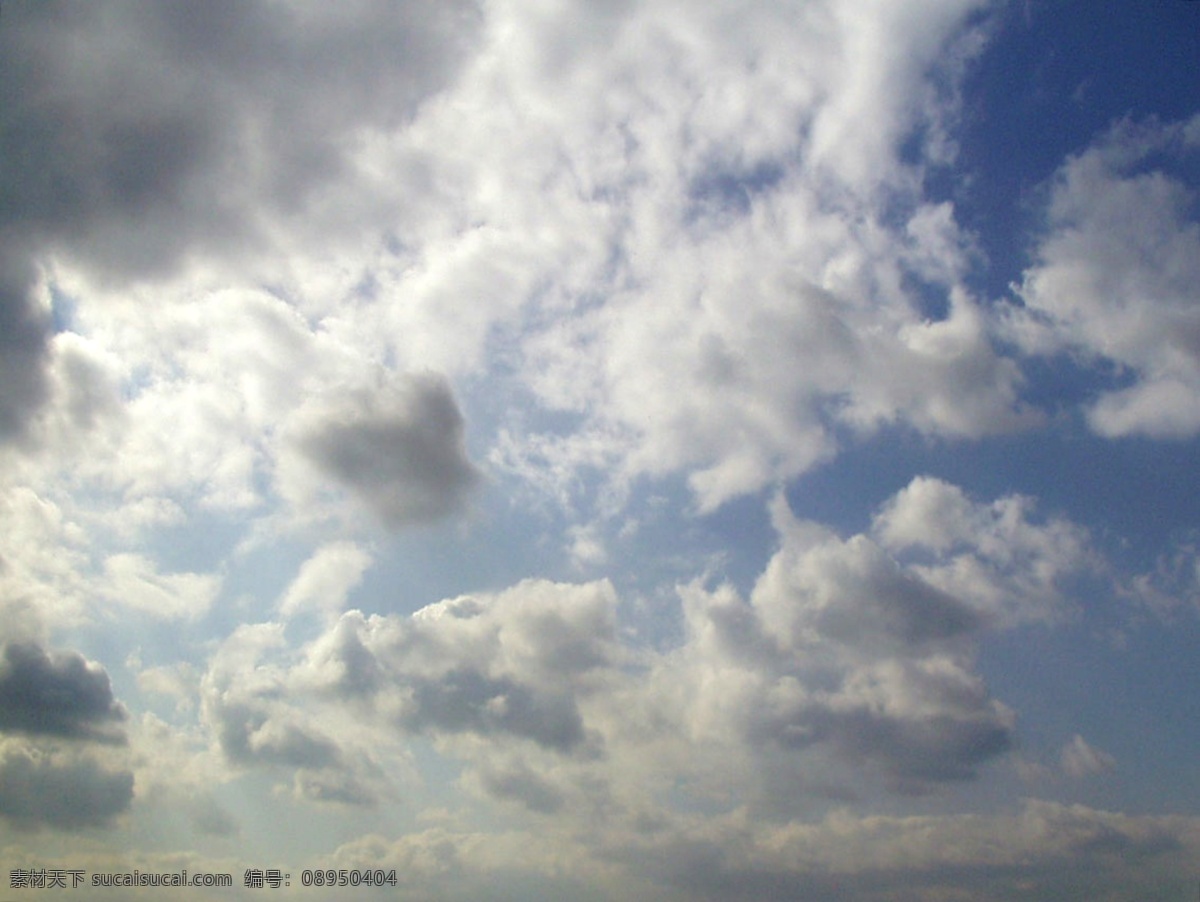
x=603, y=450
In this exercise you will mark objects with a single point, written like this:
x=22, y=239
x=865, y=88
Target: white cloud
x=736, y=281
x=1115, y=278
x=841, y=657
x=1173, y=583
x=847, y=663
x=1001, y=558
x=325, y=580
x=586, y=546
x=708, y=280
x=513, y=664
x=44, y=551
x=262, y=711
x=177, y=681
x=269, y=268
x=1079, y=759
x=133, y=581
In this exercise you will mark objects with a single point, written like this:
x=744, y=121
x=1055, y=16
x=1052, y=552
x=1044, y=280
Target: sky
x=602, y=450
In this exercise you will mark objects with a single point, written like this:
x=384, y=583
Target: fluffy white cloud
x=511, y=664
x=699, y=277
x=258, y=721
x=848, y=665
x=1001, y=558
x=846, y=672
x=44, y=551
x=514, y=667
x=1115, y=277
x=326, y=579
x=705, y=280
x=245, y=705
x=840, y=657
x=134, y=582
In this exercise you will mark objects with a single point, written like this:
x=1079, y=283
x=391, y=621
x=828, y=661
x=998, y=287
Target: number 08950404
x=344, y=877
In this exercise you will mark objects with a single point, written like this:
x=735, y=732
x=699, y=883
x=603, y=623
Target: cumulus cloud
x=236, y=393
x=1043, y=850
x=851, y=657
x=517, y=781
x=842, y=649
x=59, y=725
x=206, y=384
x=513, y=669
x=398, y=449
x=714, y=283
x=847, y=671
x=1003, y=558
x=57, y=694
x=848, y=668
x=339, y=787
x=1115, y=277
x=508, y=664
x=244, y=703
x=261, y=713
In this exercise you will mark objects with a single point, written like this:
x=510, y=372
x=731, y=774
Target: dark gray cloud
x=335, y=787
x=879, y=605
x=24, y=336
x=249, y=735
x=522, y=785
x=59, y=694
x=135, y=137
x=400, y=449
x=856, y=595
x=466, y=701
x=40, y=790
x=919, y=752
x=914, y=751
